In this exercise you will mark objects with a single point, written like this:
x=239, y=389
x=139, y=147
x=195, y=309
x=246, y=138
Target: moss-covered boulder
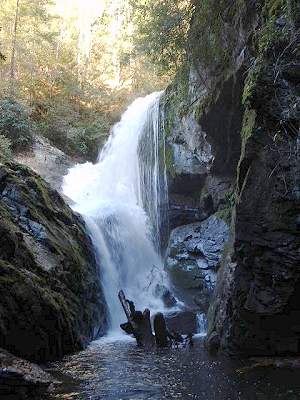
x=51, y=301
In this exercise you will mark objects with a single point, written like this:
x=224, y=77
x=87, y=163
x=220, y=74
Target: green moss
x=225, y=214
x=251, y=84
x=175, y=100
x=68, y=295
x=273, y=7
x=203, y=106
x=248, y=124
x=214, y=32
x=170, y=165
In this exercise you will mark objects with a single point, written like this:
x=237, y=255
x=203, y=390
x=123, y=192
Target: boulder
x=51, y=297
x=182, y=322
x=193, y=257
x=20, y=379
x=165, y=294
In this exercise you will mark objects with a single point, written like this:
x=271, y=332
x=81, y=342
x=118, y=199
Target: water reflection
x=121, y=371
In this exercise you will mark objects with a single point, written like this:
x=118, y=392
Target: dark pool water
x=120, y=371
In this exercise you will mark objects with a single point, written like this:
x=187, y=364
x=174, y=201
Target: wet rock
x=51, y=298
x=212, y=342
x=291, y=72
x=165, y=294
x=182, y=322
x=20, y=379
x=193, y=257
x=256, y=305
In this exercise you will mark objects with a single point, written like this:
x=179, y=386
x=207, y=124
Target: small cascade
x=120, y=199
x=202, y=324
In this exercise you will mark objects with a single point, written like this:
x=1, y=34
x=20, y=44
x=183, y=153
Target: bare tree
x=14, y=41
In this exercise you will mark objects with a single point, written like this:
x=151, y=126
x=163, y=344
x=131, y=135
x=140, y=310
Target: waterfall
x=202, y=324
x=153, y=174
x=120, y=198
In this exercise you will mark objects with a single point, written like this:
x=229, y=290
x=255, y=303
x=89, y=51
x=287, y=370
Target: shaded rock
x=193, y=257
x=291, y=72
x=182, y=322
x=20, y=379
x=203, y=110
x=51, y=298
x=212, y=342
x=256, y=305
x=235, y=108
x=165, y=294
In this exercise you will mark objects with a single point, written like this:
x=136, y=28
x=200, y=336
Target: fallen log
x=139, y=324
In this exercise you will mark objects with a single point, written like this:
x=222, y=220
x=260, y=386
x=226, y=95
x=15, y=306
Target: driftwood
x=139, y=325
x=162, y=336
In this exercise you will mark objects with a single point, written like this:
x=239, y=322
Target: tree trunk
x=13, y=50
x=160, y=330
x=139, y=324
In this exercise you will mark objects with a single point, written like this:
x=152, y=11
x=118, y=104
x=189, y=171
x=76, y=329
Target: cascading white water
x=202, y=324
x=111, y=196
x=153, y=173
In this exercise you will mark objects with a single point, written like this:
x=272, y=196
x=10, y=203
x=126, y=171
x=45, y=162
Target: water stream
x=118, y=370
x=120, y=198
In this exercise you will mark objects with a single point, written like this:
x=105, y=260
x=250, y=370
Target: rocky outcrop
x=232, y=132
x=193, y=257
x=51, y=299
x=182, y=322
x=203, y=112
x=46, y=160
x=20, y=379
x=256, y=308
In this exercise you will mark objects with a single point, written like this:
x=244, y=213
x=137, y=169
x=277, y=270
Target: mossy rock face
x=256, y=304
x=51, y=299
x=202, y=110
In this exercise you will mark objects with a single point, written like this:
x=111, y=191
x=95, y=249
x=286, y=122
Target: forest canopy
x=72, y=66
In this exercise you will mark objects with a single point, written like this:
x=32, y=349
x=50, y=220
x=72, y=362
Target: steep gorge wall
x=203, y=111
x=232, y=132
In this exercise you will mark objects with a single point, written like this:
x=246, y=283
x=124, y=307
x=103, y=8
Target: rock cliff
x=51, y=299
x=46, y=160
x=232, y=136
